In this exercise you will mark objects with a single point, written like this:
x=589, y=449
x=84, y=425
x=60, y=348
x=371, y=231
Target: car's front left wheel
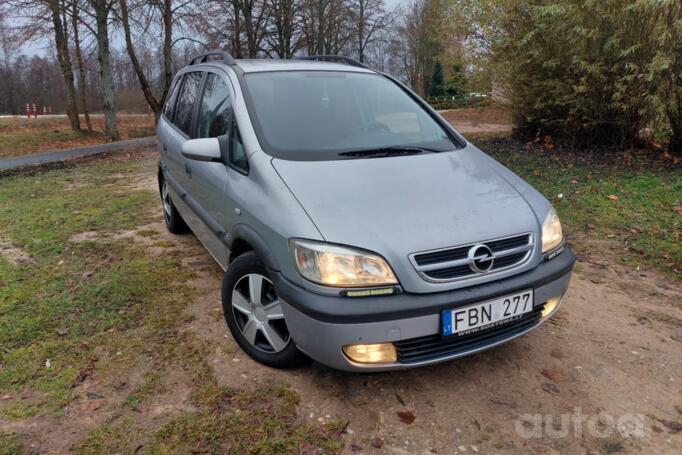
x=254, y=315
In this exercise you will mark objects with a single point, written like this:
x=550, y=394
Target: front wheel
x=253, y=313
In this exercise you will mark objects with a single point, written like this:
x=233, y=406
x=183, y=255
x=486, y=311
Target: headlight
x=332, y=265
x=552, y=236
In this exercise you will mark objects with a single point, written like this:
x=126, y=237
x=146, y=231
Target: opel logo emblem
x=481, y=258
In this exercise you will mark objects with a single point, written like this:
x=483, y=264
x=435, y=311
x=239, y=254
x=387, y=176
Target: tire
x=174, y=222
x=257, y=323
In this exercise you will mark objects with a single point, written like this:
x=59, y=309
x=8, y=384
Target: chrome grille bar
x=453, y=263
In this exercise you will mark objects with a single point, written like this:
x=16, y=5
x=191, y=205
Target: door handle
x=188, y=170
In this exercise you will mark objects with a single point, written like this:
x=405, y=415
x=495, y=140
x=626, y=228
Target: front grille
x=452, y=264
x=433, y=347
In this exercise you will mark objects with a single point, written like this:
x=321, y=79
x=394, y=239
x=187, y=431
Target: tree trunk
x=167, y=45
x=81, y=68
x=102, y=9
x=64, y=58
x=144, y=83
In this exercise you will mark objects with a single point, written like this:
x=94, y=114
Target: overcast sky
x=45, y=47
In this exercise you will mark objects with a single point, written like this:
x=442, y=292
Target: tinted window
x=215, y=109
x=185, y=105
x=319, y=114
x=237, y=152
x=170, y=100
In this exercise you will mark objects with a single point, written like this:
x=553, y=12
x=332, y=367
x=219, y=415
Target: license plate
x=482, y=316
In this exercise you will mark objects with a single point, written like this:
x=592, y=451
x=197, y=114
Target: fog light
x=550, y=306
x=371, y=353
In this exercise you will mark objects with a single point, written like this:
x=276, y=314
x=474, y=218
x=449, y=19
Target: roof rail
x=227, y=58
x=334, y=59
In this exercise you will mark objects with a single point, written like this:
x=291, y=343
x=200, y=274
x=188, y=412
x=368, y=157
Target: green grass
x=53, y=312
x=109, y=310
x=9, y=445
x=641, y=226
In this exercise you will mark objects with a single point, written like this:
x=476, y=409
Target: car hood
x=401, y=205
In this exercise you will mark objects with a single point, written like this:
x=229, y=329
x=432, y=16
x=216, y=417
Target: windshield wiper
x=383, y=152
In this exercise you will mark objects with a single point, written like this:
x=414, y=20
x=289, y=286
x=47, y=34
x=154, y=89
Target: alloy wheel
x=258, y=312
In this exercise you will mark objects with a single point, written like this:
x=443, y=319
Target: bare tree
x=367, y=17
x=102, y=10
x=284, y=23
x=253, y=13
x=57, y=11
x=82, y=85
x=325, y=26
x=130, y=47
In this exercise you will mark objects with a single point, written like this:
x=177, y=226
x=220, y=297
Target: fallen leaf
x=355, y=447
x=87, y=274
x=674, y=427
x=62, y=332
x=552, y=375
x=678, y=210
x=550, y=388
x=613, y=197
x=557, y=354
x=406, y=417
x=377, y=443
x=92, y=405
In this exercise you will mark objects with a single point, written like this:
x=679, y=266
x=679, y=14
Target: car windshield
x=320, y=115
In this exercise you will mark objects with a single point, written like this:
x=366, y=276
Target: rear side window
x=185, y=105
x=170, y=100
x=215, y=108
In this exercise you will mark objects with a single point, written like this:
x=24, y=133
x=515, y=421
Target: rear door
x=164, y=125
x=174, y=133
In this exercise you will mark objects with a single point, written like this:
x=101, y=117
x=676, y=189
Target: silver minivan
x=355, y=225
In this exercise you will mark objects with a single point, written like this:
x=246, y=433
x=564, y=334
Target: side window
x=237, y=152
x=168, y=108
x=185, y=105
x=215, y=109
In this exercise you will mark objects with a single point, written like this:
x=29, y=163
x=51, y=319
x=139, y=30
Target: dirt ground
x=612, y=351
x=479, y=120
x=603, y=376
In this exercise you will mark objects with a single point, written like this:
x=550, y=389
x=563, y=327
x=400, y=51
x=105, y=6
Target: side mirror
x=204, y=149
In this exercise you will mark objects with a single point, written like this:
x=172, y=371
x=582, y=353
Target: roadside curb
x=60, y=155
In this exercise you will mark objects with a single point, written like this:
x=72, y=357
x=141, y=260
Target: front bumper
x=321, y=325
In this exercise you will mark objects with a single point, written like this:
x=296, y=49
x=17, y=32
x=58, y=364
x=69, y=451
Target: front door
x=209, y=180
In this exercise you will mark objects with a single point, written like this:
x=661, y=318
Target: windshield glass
x=317, y=115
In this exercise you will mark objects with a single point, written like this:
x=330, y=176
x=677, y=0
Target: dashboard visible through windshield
x=324, y=115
